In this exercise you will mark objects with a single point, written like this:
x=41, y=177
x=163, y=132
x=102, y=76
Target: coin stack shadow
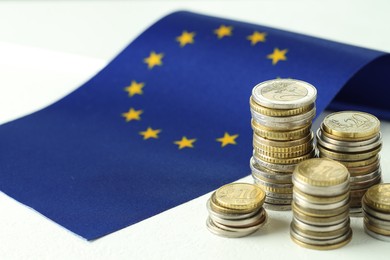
x=234, y=219
x=282, y=113
x=353, y=138
x=320, y=205
x=376, y=208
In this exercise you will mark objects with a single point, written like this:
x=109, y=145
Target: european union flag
x=168, y=119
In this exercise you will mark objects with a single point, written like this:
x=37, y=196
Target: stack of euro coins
x=353, y=138
x=376, y=208
x=282, y=113
x=320, y=204
x=236, y=210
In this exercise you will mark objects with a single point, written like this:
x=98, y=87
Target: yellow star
x=184, y=142
x=135, y=88
x=223, y=31
x=150, y=133
x=256, y=37
x=185, y=38
x=277, y=55
x=227, y=139
x=132, y=114
x=154, y=59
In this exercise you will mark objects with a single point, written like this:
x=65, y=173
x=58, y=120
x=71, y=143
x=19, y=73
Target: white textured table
x=48, y=49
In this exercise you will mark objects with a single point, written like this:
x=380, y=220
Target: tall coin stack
x=376, y=208
x=353, y=138
x=282, y=113
x=320, y=205
x=236, y=210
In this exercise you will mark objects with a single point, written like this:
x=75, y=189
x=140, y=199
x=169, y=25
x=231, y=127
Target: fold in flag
x=168, y=119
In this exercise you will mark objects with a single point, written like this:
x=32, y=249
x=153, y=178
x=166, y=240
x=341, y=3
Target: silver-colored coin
x=366, y=177
x=275, y=195
x=299, y=200
x=246, y=229
x=348, y=146
x=289, y=168
x=284, y=93
x=321, y=213
x=315, y=228
x=326, y=191
x=272, y=200
x=239, y=222
x=229, y=216
x=328, y=235
x=382, y=224
x=225, y=233
x=277, y=207
x=356, y=212
x=284, y=119
x=376, y=235
x=366, y=184
x=321, y=242
x=374, y=213
x=257, y=171
x=319, y=221
x=285, y=125
x=347, y=157
x=274, y=185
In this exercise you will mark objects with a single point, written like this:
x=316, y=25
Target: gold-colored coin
x=378, y=197
x=273, y=159
x=222, y=210
x=279, y=112
x=319, y=212
x=241, y=196
x=347, y=156
x=285, y=155
x=273, y=134
x=283, y=146
x=321, y=172
x=351, y=125
x=273, y=189
x=320, y=221
x=362, y=170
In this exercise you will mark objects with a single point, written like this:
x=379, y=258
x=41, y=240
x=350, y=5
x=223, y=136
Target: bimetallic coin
x=288, y=168
x=254, y=220
x=348, y=146
x=226, y=233
x=351, y=125
x=321, y=191
x=279, y=112
x=373, y=212
x=377, y=222
x=325, y=153
x=321, y=172
x=321, y=244
x=320, y=199
x=272, y=188
x=365, y=177
x=284, y=94
x=321, y=213
x=318, y=221
x=377, y=236
x=378, y=197
x=314, y=206
x=314, y=228
x=359, y=163
x=283, y=126
x=376, y=229
x=269, y=175
x=367, y=183
x=322, y=235
x=363, y=170
x=272, y=134
x=277, y=207
x=271, y=200
x=284, y=119
x=239, y=196
x=288, y=196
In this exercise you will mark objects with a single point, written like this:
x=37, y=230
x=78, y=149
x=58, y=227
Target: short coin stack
x=320, y=205
x=353, y=138
x=282, y=113
x=376, y=208
x=236, y=210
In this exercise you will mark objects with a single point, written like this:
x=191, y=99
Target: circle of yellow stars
x=155, y=59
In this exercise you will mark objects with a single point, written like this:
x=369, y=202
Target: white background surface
x=47, y=49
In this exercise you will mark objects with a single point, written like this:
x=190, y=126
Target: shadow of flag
x=168, y=119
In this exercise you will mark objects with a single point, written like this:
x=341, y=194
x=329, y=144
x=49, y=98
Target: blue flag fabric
x=168, y=119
